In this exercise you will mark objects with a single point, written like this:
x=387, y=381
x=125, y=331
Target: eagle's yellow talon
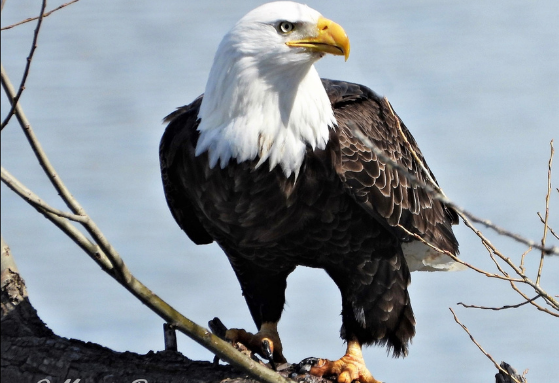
x=349, y=368
x=265, y=342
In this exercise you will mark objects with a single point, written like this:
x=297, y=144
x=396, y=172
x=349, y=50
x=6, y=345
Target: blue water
x=476, y=82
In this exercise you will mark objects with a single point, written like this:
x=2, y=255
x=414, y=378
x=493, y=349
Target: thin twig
x=522, y=268
x=548, y=228
x=34, y=200
x=418, y=160
x=533, y=303
x=481, y=348
x=35, y=18
x=27, y=67
x=498, y=308
x=492, y=256
x=459, y=260
x=549, y=166
x=548, y=298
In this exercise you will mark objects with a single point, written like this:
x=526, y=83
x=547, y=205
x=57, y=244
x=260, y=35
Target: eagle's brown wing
x=380, y=189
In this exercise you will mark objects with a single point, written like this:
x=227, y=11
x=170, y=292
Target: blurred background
x=476, y=82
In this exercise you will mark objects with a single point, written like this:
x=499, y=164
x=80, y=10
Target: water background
x=476, y=82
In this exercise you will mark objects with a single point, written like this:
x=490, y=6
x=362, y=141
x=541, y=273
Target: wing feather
x=176, y=174
x=378, y=188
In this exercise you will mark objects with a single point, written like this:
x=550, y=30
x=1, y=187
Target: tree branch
x=35, y=18
x=499, y=308
x=482, y=350
x=15, y=100
x=545, y=226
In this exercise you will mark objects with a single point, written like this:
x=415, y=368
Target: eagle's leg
x=350, y=367
x=376, y=309
x=264, y=292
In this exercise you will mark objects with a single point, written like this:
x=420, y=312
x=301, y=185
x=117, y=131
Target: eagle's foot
x=349, y=368
x=265, y=342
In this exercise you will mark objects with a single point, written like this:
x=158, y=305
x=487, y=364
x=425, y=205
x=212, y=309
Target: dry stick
x=497, y=264
x=498, y=308
x=414, y=154
x=58, y=219
x=549, y=166
x=34, y=200
x=522, y=260
x=549, y=228
x=110, y=261
x=27, y=67
x=481, y=348
x=35, y=18
x=459, y=260
x=515, y=288
x=548, y=298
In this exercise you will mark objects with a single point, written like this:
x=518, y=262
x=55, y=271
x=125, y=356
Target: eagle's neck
x=263, y=109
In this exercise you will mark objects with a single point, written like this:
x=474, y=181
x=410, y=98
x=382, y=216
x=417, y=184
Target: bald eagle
x=268, y=164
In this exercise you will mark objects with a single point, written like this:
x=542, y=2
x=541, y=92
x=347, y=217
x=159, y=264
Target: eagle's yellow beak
x=330, y=38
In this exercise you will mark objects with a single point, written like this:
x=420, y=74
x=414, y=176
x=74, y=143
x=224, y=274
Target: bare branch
x=550, y=163
x=35, y=18
x=427, y=173
x=34, y=200
x=498, y=308
x=533, y=303
x=548, y=298
x=27, y=67
x=459, y=260
x=549, y=228
x=522, y=268
x=481, y=348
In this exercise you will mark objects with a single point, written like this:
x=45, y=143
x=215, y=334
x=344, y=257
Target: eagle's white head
x=264, y=97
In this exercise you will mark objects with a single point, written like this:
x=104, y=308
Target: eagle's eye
x=286, y=27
